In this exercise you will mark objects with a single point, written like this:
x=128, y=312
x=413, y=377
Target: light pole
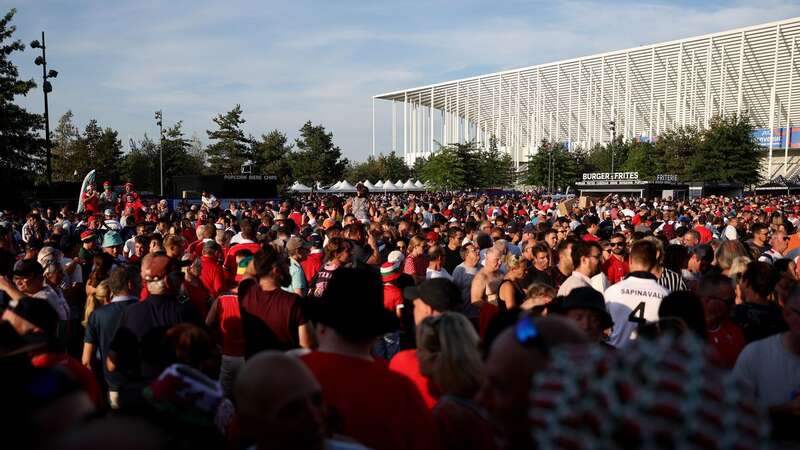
x=613, y=126
x=46, y=87
x=160, y=124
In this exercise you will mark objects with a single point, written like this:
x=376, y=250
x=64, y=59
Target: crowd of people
x=401, y=321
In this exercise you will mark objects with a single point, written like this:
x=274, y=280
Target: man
x=313, y=261
x=772, y=366
x=452, y=252
x=587, y=308
x=28, y=281
x=515, y=356
x=564, y=268
x=705, y=234
x=435, y=262
x=616, y=266
x=777, y=246
x=700, y=259
x=297, y=249
x=247, y=242
x=279, y=406
x=540, y=271
x=112, y=245
x=718, y=296
x=212, y=275
x=136, y=347
x=730, y=233
x=757, y=316
x=586, y=257
x=691, y=238
x=129, y=248
x=272, y=317
x=387, y=412
x=670, y=279
x=758, y=244
x=635, y=299
x=463, y=275
x=104, y=322
x=174, y=246
x=87, y=252
x=431, y=298
x=486, y=282
x=592, y=227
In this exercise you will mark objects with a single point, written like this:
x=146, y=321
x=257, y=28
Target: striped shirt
x=672, y=280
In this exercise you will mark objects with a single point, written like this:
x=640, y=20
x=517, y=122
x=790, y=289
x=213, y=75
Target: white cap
x=395, y=256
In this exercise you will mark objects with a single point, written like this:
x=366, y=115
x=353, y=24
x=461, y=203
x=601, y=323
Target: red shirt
x=230, y=324
x=392, y=297
x=311, y=265
x=277, y=309
x=198, y=296
x=375, y=406
x=705, y=235
x=416, y=265
x=212, y=276
x=588, y=237
x=615, y=269
x=727, y=341
x=406, y=363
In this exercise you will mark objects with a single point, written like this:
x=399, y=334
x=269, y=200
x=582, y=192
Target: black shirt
x=452, y=258
x=758, y=321
x=100, y=330
x=535, y=275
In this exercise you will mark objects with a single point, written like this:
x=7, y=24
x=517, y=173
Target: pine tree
x=317, y=158
x=21, y=146
x=271, y=157
x=66, y=139
x=231, y=148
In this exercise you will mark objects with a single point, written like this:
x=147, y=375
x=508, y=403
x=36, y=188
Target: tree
x=103, y=151
x=179, y=159
x=445, y=170
x=21, y=147
x=393, y=167
x=367, y=170
x=317, y=158
x=552, y=166
x=642, y=158
x=231, y=149
x=728, y=152
x=677, y=149
x=66, y=142
x=140, y=165
x=271, y=157
x=496, y=168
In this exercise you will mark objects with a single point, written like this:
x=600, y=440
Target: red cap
x=129, y=184
x=106, y=183
x=87, y=235
x=432, y=236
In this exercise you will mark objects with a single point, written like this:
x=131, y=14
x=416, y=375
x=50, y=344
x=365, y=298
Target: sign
x=673, y=179
x=761, y=135
x=251, y=177
x=616, y=176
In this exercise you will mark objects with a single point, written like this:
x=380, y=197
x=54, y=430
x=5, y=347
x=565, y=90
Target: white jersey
x=636, y=297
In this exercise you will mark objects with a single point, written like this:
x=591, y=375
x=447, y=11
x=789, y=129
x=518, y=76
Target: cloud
x=286, y=63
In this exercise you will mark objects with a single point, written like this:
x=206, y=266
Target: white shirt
x=55, y=300
x=730, y=233
x=635, y=294
x=770, y=369
x=431, y=274
x=574, y=281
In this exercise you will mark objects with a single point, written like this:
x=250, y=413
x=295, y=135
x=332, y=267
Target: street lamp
x=47, y=88
x=160, y=124
x=613, y=126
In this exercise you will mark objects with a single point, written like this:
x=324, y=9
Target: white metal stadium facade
x=643, y=90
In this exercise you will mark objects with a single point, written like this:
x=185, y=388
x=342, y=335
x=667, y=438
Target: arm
x=10, y=289
x=306, y=336
x=86, y=357
x=507, y=295
x=211, y=318
x=477, y=290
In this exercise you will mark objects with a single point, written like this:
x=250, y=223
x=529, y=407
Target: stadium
x=643, y=91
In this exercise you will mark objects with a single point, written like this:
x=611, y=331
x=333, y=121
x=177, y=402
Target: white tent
x=299, y=187
x=378, y=185
x=399, y=185
x=419, y=185
x=368, y=185
x=334, y=187
x=344, y=186
x=409, y=186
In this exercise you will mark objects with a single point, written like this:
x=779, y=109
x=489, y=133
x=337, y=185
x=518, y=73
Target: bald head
x=510, y=366
x=279, y=401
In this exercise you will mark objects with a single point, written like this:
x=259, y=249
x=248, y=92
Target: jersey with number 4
x=632, y=301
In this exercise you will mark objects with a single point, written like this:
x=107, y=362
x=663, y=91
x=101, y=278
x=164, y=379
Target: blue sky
x=289, y=62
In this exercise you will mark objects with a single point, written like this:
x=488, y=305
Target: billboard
x=762, y=135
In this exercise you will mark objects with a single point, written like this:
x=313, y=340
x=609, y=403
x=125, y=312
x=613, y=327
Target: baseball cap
x=432, y=236
x=328, y=223
x=439, y=293
x=529, y=228
x=26, y=268
x=112, y=239
x=87, y=235
x=316, y=240
x=295, y=243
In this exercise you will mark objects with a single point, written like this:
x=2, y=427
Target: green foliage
x=444, y=170
x=465, y=166
x=140, y=165
x=271, y=157
x=677, y=149
x=383, y=167
x=496, y=169
x=231, y=148
x=76, y=153
x=552, y=167
x=103, y=150
x=642, y=158
x=317, y=159
x=66, y=140
x=21, y=146
x=728, y=152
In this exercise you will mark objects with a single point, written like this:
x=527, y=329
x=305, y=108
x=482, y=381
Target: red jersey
x=615, y=269
x=230, y=258
x=406, y=363
x=212, y=276
x=377, y=407
x=91, y=204
x=705, y=235
x=588, y=237
x=230, y=324
x=311, y=265
x=727, y=341
x=392, y=297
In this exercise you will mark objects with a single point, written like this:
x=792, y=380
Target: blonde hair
x=414, y=242
x=450, y=342
x=99, y=297
x=513, y=261
x=738, y=266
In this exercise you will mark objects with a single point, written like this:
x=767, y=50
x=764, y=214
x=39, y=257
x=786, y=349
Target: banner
x=607, y=176
x=761, y=135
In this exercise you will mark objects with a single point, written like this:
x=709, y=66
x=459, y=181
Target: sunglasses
x=616, y=244
x=528, y=335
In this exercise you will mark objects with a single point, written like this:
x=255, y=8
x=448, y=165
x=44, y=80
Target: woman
x=511, y=290
x=337, y=254
x=416, y=263
x=101, y=295
x=448, y=353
